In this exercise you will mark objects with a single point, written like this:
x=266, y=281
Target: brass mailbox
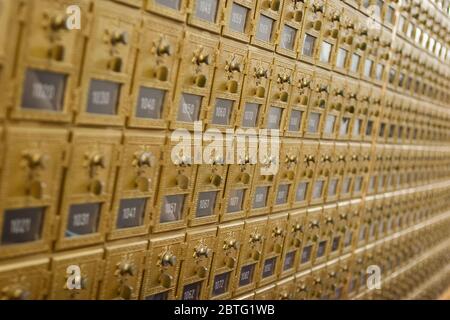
x=88, y=187
x=303, y=285
x=290, y=29
x=325, y=159
x=48, y=62
x=319, y=284
x=263, y=184
x=302, y=86
x=198, y=58
x=162, y=267
x=311, y=238
x=294, y=240
x=279, y=94
x=255, y=89
x=24, y=280
x=227, y=86
x=351, y=118
x=318, y=104
x=67, y=284
x=325, y=241
x=335, y=125
x=225, y=260
x=329, y=34
x=275, y=236
x=102, y=98
x=289, y=162
x=238, y=19
x=136, y=184
x=123, y=271
x=344, y=41
x=266, y=24
x=196, y=264
x=312, y=27
x=175, y=9
x=250, y=255
x=175, y=188
x=209, y=184
x=359, y=45
x=32, y=165
x=155, y=73
x=237, y=190
x=305, y=173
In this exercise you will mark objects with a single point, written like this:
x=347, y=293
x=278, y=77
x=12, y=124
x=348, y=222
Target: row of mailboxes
x=232, y=259
x=346, y=277
x=120, y=185
x=140, y=72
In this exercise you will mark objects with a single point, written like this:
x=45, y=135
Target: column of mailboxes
x=249, y=88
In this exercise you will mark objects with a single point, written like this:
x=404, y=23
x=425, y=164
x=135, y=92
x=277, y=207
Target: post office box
x=305, y=173
x=225, y=260
x=250, y=255
x=371, y=109
x=209, y=184
x=319, y=284
x=266, y=23
x=8, y=39
x=67, y=283
x=303, y=285
x=344, y=41
x=88, y=187
x=196, y=264
x=294, y=240
x=333, y=281
x=318, y=104
x=329, y=34
x=290, y=29
x=48, y=61
x=327, y=226
x=357, y=112
x=265, y=293
x=349, y=124
x=359, y=47
x=279, y=94
x=311, y=237
x=343, y=268
x=375, y=226
x=176, y=184
x=334, y=124
x=102, y=98
x=175, y=9
x=312, y=27
x=239, y=19
x=285, y=289
x=285, y=179
x=322, y=173
x=227, y=85
x=198, y=57
x=255, y=89
x=300, y=98
x=24, y=280
x=338, y=170
x=162, y=266
x=263, y=184
x=136, y=184
x=206, y=14
x=275, y=236
x=155, y=73
x=32, y=171
x=382, y=60
x=123, y=271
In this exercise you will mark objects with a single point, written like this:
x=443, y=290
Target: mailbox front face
x=32, y=173
x=165, y=255
x=137, y=181
x=175, y=9
x=49, y=60
x=88, y=187
x=64, y=265
x=123, y=271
